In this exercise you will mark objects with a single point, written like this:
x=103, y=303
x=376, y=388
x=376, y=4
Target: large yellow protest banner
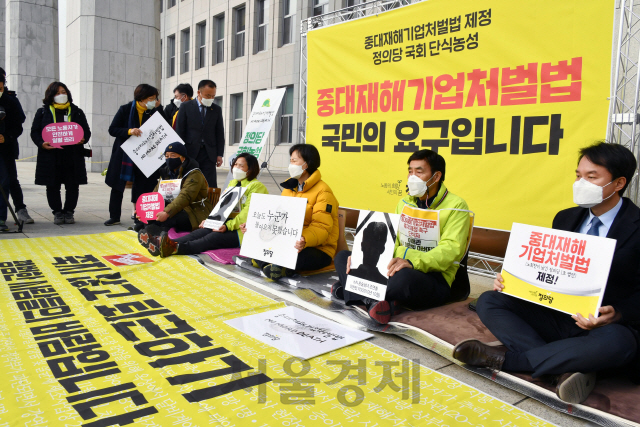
x=92, y=334
x=506, y=91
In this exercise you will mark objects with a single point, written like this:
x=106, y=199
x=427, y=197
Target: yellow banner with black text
x=95, y=334
x=506, y=91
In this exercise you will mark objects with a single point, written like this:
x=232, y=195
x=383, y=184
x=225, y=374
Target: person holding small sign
x=245, y=170
x=572, y=348
x=60, y=165
x=419, y=278
x=320, y=232
x=188, y=209
x=125, y=123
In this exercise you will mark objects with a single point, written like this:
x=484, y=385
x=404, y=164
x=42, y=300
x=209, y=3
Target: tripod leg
x=13, y=214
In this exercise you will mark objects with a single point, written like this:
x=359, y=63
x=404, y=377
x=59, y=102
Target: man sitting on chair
x=418, y=280
x=543, y=341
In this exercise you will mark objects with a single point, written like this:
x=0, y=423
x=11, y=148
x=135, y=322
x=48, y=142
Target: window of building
x=201, y=40
x=288, y=21
x=185, y=36
x=218, y=32
x=236, y=118
x=239, y=32
x=171, y=55
x=254, y=96
x=262, y=12
x=218, y=101
x=286, y=117
x=171, y=3
x=320, y=7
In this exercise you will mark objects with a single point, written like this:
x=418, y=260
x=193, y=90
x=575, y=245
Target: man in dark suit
x=543, y=341
x=200, y=126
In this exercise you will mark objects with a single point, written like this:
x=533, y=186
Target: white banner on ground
x=256, y=132
x=274, y=224
x=557, y=269
x=297, y=332
x=147, y=150
x=229, y=200
x=372, y=251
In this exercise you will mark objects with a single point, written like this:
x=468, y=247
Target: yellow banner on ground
x=507, y=91
x=95, y=334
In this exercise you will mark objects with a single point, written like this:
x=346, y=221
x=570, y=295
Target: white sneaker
x=23, y=216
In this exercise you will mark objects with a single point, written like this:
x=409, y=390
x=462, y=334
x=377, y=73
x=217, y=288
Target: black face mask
x=173, y=163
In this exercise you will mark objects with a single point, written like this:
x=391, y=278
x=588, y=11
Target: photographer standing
x=65, y=165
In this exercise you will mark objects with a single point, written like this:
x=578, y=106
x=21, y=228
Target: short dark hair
x=616, y=158
x=3, y=76
x=252, y=163
x=207, y=83
x=185, y=88
x=52, y=91
x=309, y=154
x=436, y=161
x=144, y=91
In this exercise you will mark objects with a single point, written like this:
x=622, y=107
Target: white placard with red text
x=557, y=269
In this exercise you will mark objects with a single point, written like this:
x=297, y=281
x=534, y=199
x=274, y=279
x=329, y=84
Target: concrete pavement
x=92, y=211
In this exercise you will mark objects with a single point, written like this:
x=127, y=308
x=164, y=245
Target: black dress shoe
x=111, y=221
x=337, y=290
x=476, y=353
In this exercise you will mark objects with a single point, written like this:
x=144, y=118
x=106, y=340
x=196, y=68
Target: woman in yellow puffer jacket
x=319, y=240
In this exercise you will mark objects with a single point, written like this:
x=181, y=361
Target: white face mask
x=239, y=174
x=206, y=102
x=296, y=171
x=418, y=187
x=587, y=194
x=177, y=103
x=60, y=99
x=151, y=105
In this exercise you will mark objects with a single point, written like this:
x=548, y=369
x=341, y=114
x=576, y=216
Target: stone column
x=112, y=46
x=31, y=56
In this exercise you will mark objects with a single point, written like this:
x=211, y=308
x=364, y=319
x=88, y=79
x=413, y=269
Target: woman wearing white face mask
x=319, y=239
x=125, y=123
x=245, y=172
x=57, y=166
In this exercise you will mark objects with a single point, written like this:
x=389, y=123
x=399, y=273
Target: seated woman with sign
x=320, y=232
x=191, y=204
x=64, y=164
x=245, y=170
x=422, y=271
x=125, y=123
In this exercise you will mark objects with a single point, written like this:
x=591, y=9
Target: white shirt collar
x=607, y=217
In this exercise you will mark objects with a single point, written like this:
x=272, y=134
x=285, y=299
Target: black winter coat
x=65, y=165
x=120, y=130
x=11, y=125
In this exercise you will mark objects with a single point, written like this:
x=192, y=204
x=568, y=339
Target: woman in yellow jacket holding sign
x=317, y=246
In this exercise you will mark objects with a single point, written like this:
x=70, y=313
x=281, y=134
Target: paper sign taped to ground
x=169, y=188
x=264, y=112
x=59, y=134
x=148, y=206
x=557, y=269
x=419, y=229
x=274, y=225
x=227, y=203
x=297, y=332
x=373, y=249
x=147, y=150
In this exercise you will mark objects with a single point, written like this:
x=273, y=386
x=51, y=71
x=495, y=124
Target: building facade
x=244, y=46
